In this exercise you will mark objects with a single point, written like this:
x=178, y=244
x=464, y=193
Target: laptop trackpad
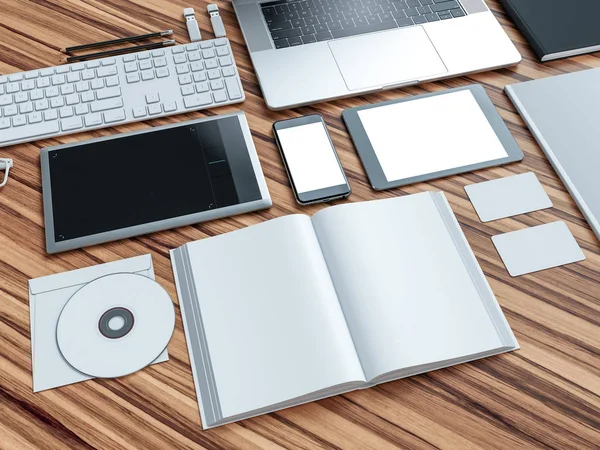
x=386, y=58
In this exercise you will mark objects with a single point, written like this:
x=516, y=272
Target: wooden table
x=545, y=395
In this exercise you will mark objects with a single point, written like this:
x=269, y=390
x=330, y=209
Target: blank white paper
x=430, y=135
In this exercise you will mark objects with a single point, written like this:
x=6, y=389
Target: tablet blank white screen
x=431, y=134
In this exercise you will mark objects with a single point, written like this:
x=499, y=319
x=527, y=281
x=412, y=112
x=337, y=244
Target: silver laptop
x=562, y=114
x=308, y=51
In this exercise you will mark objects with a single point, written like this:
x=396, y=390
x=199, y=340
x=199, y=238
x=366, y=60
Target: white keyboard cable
x=5, y=164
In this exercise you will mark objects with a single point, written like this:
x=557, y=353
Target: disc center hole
x=116, y=323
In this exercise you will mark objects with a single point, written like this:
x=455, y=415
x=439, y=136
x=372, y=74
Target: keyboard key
x=405, y=22
x=56, y=80
x=200, y=76
x=87, y=97
x=419, y=20
x=72, y=99
x=21, y=97
x=92, y=120
x=222, y=51
x=133, y=78
x=308, y=39
x=145, y=65
x=6, y=100
x=445, y=6
x=82, y=86
x=220, y=96
x=457, y=13
x=67, y=111
x=148, y=75
x=67, y=89
x=112, y=81
x=26, y=108
x=181, y=69
x=210, y=52
x=51, y=114
x=211, y=64
x=16, y=77
x=233, y=88
x=105, y=105
x=92, y=64
x=157, y=53
x=36, y=95
x=47, y=72
x=323, y=36
x=214, y=74
x=128, y=58
x=188, y=89
x=273, y=18
x=3, y=79
x=11, y=110
x=170, y=106
x=57, y=102
x=433, y=17
x=72, y=123
x=228, y=71
x=162, y=72
x=19, y=121
x=88, y=74
x=215, y=85
x=178, y=49
x=143, y=55
x=206, y=44
x=97, y=84
x=139, y=111
x=35, y=117
x=108, y=93
x=193, y=46
x=194, y=56
x=197, y=100
x=160, y=62
x=41, y=105
x=154, y=109
x=202, y=87
x=179, y=59
x=29, y=132
x=152, y=98
x=292, y=41
x=73, y=77
x=106, y=71
x=185, y=79
x=43, y=82
x=81, y=109
x=131, y=67
x=196, y=66
x=4, y=123
x=114, y=116
x=28, y=85
x=108, y=61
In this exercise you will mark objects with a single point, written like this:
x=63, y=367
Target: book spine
x=474, y=269
x=535, y=44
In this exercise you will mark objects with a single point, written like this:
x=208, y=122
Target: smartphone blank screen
x=310, y=157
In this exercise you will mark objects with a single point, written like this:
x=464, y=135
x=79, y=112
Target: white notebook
x=298, y=308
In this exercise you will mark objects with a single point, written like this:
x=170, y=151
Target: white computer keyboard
x=104, y=92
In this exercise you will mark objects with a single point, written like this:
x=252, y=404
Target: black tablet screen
x=143, y=178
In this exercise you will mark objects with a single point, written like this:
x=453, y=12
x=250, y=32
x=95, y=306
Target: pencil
x=117, y=41
x=120, y=51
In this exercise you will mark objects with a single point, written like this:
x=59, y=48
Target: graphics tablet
x=135, y=183
x=430, y=136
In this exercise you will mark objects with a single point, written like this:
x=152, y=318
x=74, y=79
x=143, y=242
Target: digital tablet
x=430, y=136
x=135, y=183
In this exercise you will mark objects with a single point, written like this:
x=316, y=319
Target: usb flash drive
x=192, y=24
x=216, y=21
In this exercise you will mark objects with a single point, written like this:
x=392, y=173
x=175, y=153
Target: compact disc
x=115, y=325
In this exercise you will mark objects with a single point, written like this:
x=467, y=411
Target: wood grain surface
x=546, y=395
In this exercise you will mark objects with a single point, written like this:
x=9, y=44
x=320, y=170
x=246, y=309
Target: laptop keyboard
x=302, y=22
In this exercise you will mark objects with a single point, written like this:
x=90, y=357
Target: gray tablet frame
x=371, y=163
x=52, y=246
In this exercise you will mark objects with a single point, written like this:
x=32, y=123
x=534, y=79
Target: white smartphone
x=310, y=159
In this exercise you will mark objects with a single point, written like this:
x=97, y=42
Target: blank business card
x=537, y=248
x=508, y=197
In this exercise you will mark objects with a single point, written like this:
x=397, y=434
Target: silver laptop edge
x=321, y=71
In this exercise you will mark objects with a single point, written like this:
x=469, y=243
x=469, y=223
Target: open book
x=297, y=309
